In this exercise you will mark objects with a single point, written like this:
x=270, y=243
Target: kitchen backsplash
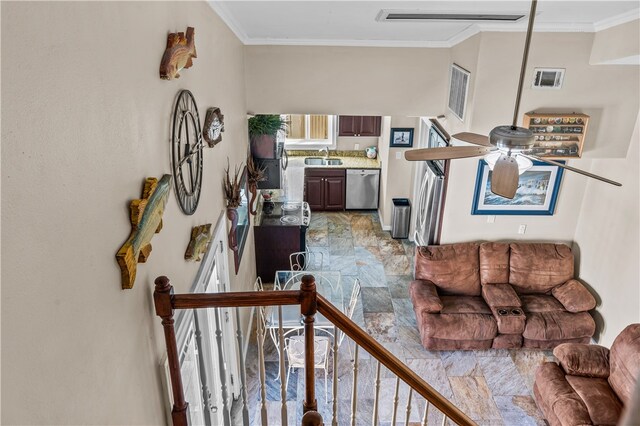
x=332, y=153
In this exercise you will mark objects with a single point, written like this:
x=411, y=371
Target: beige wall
x=85, y=119
x=346, y=80
x=606, y=242
x=616, y=43
x=347, y=143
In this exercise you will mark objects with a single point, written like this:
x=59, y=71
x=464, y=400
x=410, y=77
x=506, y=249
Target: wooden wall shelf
x=557, y=135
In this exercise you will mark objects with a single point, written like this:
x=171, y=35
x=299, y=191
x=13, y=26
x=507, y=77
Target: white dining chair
x=306, y=261
x=294, y=347
x=351, y=307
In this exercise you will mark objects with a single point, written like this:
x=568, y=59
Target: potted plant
x=262, y=134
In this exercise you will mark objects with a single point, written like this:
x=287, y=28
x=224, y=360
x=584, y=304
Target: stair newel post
x=308, y=308
x=164, y=309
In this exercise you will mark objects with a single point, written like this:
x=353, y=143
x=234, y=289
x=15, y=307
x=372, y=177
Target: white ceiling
x=353, y=23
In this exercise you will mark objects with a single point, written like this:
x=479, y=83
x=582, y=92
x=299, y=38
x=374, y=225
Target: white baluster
x=283, y=384
x=408, y=411
x=426, y=413
x=226, y=412
x=376, y=397
x=334, y=421
x=354, y=393
x=395, y=402
x=263, y=384
x=444, y=420
x=243, y=371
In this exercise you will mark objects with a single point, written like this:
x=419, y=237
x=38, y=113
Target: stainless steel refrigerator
x=432, y=189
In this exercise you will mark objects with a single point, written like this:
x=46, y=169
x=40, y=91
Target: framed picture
x=536, y=195
x=401, y=137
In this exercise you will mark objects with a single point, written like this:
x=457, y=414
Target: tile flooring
x=493, y=387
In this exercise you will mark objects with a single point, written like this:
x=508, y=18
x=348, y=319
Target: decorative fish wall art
x=200, y=237
x=146, y=220
x=178, y=54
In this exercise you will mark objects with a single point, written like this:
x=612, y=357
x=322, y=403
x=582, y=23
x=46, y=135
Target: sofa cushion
x=458, y=326
x=583, y=360
x=537, y=268
x=494, y=263
x=452, y=268
x=541, y=303
x=502, y=295
x=574, y=296
x=603, y=405
x=558, y=325
x=624, y=358
x=559, y=397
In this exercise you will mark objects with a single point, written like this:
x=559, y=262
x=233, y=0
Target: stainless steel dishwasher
x=362, y=189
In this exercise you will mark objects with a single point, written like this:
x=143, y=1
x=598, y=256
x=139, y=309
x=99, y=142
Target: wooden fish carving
x=146, y=220
x=200, y=237
x=179, y=54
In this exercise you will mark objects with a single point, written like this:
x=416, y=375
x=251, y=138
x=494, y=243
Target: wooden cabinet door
x=334, y=193
x=348, y=125
x=314, y=192
x=370, y=126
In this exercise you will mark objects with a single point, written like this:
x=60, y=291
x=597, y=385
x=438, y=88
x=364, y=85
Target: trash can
x=401, y=217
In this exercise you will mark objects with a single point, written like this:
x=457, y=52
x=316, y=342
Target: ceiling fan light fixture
x=524, y=163
x=512, y=138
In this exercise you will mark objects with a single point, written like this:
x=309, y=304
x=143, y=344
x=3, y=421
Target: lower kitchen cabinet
x=324, y=189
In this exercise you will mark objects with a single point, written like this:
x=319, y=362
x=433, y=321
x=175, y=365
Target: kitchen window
x=305, y=131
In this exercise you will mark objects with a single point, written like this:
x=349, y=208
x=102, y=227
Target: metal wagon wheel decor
x=186, y=152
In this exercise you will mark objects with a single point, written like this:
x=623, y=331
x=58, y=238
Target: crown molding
x=620, y=19
x=227, y=17
x=346, y=43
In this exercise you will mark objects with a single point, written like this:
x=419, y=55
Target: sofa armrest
x=499, y=295
x=574, y=296
x=424, y=296
x=583, y=360
x=554, y=393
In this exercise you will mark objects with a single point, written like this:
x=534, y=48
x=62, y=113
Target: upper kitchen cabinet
x=358, y=125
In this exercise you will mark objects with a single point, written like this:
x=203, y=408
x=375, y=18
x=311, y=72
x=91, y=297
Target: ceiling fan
x=508, y=147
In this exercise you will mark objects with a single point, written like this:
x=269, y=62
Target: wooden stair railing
x=310, y=303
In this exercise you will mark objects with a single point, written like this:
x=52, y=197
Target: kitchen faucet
x=326, y=151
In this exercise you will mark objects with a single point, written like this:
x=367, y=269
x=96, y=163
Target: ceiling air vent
x=458, y=90
x=408, y=15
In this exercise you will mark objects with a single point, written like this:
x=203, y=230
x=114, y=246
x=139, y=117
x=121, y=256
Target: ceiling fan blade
x=573, y=169
x=473, y=138
x=504, y=177
x=446, y=153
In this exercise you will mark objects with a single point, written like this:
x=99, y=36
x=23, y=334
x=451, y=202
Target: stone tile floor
x=493, y=387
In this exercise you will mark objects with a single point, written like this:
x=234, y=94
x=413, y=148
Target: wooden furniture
x=358, y=125
x=557, y=135
x=324, y=189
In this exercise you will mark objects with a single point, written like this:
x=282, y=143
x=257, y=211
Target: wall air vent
x=548, y=78
x=409, y=15
x=458, y=90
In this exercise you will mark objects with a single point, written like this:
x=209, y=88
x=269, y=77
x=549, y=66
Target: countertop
x=296, y=159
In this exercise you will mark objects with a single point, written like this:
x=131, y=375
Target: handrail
x=390, y=361
x=240, y=299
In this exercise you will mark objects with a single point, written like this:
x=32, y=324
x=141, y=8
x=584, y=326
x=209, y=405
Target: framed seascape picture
x=401, y=137
x=536, y=195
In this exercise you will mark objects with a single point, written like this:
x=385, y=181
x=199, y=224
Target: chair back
x=624, y=361
x=295, y=351
x=306, y=261
x=355, y=293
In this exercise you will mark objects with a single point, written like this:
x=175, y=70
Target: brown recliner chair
x=446, y=298
x=592, y=384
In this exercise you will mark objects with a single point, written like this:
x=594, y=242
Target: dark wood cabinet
x=358, y=125
x=324, y=189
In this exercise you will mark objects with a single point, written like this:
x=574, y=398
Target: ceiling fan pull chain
x=532, y=15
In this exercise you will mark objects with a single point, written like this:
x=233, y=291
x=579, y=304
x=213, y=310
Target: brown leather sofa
x=592, y=383
x=499, y=295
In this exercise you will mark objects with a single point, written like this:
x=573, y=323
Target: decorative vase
x=232, y=215
x=372, y=152
x=253, y=189
x=263, y=146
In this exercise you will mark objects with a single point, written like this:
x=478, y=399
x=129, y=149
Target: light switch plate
x=398, y=156
x=522, y=229
x=356, y=146
x=491, y=218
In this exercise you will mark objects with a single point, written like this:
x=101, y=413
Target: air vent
x=408, y=15
x=548, y=78
x=458, y=90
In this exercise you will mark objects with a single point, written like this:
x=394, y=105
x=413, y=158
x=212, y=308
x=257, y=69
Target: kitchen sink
x=319, y=161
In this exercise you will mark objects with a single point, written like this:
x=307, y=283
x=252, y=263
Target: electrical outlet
x=398, y=156
x=356, y=146
x=522, y=229
x=491, y=218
